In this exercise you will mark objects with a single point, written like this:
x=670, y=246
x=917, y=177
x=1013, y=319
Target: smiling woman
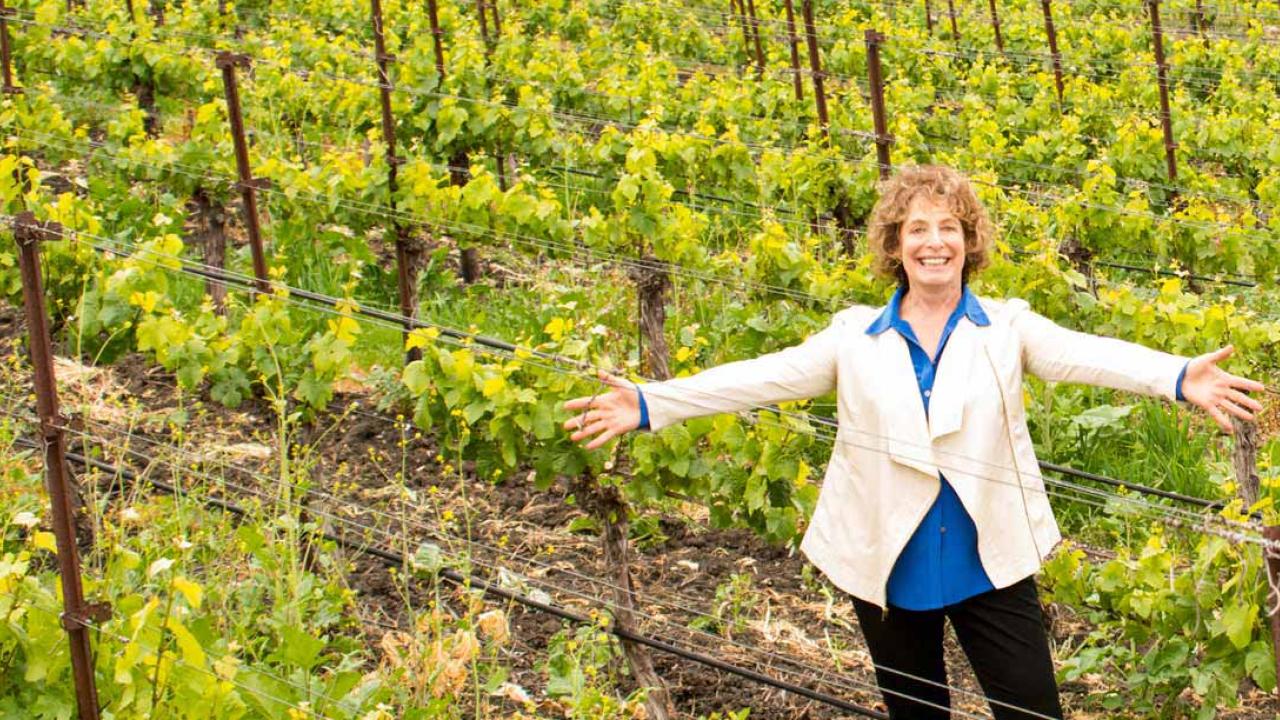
x=932, y=508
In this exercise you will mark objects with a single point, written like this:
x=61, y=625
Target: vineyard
x=292, y=295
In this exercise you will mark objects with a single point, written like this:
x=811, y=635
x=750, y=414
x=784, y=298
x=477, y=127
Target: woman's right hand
x=606, y=415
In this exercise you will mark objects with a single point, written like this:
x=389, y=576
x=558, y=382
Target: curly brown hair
x=942, y=184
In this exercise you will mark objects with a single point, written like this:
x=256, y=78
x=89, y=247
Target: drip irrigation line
x=811, y=425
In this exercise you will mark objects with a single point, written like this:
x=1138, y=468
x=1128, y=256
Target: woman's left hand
x=1217, y=391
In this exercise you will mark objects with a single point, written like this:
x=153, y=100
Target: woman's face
x=932, y=245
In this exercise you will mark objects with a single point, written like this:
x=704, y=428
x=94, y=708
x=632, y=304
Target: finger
x=592, y=401
x=1243, y=400
x=577, y=422
x=605, y=437
x=577, y=403
x=590, y=430
x=1241, y=383
x=1222, y=353
x=1221, y=418
x=1235, y=409
x=612, y=380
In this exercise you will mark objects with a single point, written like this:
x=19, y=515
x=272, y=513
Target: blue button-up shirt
x=940, y=564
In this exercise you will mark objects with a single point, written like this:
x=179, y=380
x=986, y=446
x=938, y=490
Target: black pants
x=1001, y=632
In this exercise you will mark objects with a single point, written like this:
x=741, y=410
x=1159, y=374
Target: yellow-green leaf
x=45, y=541
x=493, y=386
x=192, y=653
x=193, y=593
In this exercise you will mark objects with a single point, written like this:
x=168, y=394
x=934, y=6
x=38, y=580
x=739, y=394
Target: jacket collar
x=890, y=317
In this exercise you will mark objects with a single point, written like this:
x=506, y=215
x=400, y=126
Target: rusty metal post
x=1052, y=33
x=1197, y=18
x=497, y=20
x=437, y=36
x=77, y=614
x=876, y=79
x=928, y=16
x=794, y=42
x=1162, y=77
x=755, y=38
x=227, y=62
x=815, y=66
x=995, y=25
x=951, y=12
x=6, y=56
x=404, y=259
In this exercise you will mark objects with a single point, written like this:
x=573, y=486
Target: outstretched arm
x=1055, y=353
x=801, y=371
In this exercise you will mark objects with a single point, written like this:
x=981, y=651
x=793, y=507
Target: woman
x=932, y=506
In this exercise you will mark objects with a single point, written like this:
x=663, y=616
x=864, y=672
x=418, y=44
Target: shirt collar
x=969, y=307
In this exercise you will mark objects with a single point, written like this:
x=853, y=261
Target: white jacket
x=883, y=474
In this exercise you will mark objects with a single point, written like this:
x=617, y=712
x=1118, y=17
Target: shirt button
x=943, y=529
x=928, y=393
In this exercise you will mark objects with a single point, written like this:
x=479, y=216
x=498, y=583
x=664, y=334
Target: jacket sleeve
x=801, y=371
x=1052, y=352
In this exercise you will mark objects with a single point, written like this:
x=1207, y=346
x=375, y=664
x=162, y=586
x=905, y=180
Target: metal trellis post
x=815, y=65
x=404, y=260
x=755, y=37
x=77, y=614
x=876, y=80
x=1162, y=77
x=437, y=36
x=1052, y=34
x=227, y=62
